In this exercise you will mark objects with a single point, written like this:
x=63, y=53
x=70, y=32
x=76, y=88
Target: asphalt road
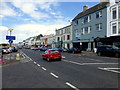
x=74, y=71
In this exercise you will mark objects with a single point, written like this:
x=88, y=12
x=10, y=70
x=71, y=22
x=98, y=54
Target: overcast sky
x=30, y=18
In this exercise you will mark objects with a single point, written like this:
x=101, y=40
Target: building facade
x=47, y=40
x=64, y=37
x=89, y=25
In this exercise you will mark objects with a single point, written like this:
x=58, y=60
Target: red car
x=35, y=48
x=52, y=54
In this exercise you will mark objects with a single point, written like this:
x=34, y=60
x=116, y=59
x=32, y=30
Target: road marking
x=86, y=63
x=112, y=68
x=70, y=85
x=93, y=59
x=23, y=56
x=44, y=68
x=72, y=62
x=35, y=62
x=38, y=65
x=54, y=75
x=97, y=63
x=26, y=56
x=109, y=69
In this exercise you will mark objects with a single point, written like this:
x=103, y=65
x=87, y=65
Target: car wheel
x=117, y=55
x=99, y=54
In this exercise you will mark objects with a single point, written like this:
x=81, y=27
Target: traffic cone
x=17, y=57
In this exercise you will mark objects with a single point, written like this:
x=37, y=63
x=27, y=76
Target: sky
x=31, y=18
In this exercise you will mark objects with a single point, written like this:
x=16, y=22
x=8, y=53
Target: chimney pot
x=85, y=8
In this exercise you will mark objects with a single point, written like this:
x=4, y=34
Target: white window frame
x=99, y=13
x=89, y=29
x=119, y=12
x=114, y=24
x=82, y=32
x=89, y=19
x=99, y=26
x=113, y=9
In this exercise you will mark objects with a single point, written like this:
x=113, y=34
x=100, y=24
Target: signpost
x=10, y=38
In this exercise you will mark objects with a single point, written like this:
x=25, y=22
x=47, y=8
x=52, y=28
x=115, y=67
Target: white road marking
x=23, y=56
x=27, y=61
x=38, y=65
x=54, y=75
x=93, y=59
x=35, y=62
x=72, y=62
x=86, y=63
x=97, y=63
x=27, y=56
x=70, y=85
x=44, y=68
x=112, y=68
x=109, y=69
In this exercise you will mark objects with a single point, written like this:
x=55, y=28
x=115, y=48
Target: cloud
x=25, y=31
x=33, y=9
x=3, y=33
x=5, y=10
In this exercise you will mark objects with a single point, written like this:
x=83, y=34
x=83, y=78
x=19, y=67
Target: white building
x=113, y=16
x=64, y=37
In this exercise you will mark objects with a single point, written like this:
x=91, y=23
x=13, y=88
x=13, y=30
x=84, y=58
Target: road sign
x=10, y=41
x=10, y=38
x=10, y=30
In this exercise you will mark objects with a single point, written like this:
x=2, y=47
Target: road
x=75, y=71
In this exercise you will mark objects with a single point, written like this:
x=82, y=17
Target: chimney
x=85, y=8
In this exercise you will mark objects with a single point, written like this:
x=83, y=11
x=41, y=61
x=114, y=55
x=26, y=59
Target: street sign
x=10, y=38
x=10, y=41
x=10, y=30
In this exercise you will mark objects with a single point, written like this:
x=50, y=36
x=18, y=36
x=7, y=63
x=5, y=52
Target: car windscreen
x=54, y=51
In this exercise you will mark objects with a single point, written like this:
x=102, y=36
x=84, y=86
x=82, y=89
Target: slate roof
x=91, y=10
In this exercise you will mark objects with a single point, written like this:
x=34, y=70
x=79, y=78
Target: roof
x=64, y=27
x=91, y=10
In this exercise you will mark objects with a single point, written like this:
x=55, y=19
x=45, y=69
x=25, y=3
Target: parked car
x=5, y=51
x=14, y=49
x=74, y=50
x=35, y=48
x=43, y=48
x=52, y=54
x=108, y=50
x=61, y=49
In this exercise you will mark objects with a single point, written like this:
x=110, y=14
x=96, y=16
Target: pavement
x=13, y=58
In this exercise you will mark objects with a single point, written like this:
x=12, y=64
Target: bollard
x=18, y=57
